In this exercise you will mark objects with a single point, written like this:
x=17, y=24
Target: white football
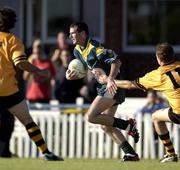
x=77, y=66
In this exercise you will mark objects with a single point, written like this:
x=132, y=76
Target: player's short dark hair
x=81, y=26
x=7, y=19
x=165, y=52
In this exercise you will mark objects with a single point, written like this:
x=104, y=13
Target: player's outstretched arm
x=125, y=84
x=27, y=66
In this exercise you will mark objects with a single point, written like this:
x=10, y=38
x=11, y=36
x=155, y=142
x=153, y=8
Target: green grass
x=84, y=164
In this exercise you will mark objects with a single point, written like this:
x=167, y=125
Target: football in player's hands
x=76, y=67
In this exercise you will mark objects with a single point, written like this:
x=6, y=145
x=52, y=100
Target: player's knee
x=90, y=118
x=106, y=129
x=155, y=117
x=25, y=119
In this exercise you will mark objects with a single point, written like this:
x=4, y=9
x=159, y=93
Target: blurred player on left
x=12, y=55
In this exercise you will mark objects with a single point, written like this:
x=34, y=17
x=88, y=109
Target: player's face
x=75, y=36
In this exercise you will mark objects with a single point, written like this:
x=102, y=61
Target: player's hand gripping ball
x=79, y=69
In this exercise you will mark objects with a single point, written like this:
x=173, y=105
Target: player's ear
x=83, y=33
x=158, y=60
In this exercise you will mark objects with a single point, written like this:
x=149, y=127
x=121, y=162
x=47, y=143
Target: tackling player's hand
x=71, y=75
x=103, y=79
x=111, y=86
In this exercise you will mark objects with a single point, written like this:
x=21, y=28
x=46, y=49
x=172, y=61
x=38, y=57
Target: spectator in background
x=62, y=44
x=154, y=102
x=39, y=89
x=65, y=91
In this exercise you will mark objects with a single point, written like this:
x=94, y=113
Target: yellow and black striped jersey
x=165, y=79
x=11, y=53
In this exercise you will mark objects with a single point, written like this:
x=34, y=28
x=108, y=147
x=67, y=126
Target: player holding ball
x=94, y=57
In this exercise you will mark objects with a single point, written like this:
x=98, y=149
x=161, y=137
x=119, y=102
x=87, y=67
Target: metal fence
x=69, y=134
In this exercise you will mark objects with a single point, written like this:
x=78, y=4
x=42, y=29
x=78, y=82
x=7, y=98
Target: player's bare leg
x=114, y=133
x=119, y=138
x=159, y=118
x=98, y=106
x=94, y=115
x=101, y=110
x=22, y=113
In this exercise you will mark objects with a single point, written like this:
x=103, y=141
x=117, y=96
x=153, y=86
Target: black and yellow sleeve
x=138, y=85
x=18, y=52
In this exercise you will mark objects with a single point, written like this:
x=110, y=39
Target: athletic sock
x=121, y=124
x=127, y=148
x=167, y=143
x=35, y=134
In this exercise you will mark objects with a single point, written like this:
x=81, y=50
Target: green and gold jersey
x=94, y=55
x=165, y=79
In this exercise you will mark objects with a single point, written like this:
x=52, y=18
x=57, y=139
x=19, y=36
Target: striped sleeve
x=17, y=52
x=138, y=85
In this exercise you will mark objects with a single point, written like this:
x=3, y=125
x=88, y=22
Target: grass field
x=84, y=164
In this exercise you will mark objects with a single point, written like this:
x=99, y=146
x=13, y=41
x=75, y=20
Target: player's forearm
x=115, y=67
x=27, y=66
x=125, y=84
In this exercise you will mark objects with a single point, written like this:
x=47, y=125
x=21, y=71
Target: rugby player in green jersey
x=94, y=56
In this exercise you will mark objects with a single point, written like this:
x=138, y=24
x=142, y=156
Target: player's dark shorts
x=11, y=100
x=174, y=117
x=119, y=96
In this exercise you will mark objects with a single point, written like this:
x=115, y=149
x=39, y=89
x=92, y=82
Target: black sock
x=127, y=148
x=120, y=123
